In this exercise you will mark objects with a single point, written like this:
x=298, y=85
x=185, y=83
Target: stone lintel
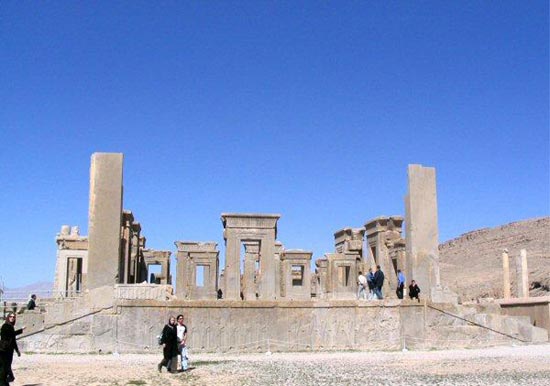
x=78, y=244
x=204, y=258
x=346, y=234
x=341, y=256
x=321, y=263
x=381, y=223
x=397, y=221
x=252, y=247
x=250, y=220
x=152, y=256
x=196, y=246
x=376, y=225
x=296, y=254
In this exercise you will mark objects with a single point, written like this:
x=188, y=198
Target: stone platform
x=261, y=326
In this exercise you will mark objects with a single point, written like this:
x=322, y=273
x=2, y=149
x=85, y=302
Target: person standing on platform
x=361, y=286
x=400, y=284
x=378, y=282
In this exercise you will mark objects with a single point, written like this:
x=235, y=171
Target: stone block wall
x=261, y=326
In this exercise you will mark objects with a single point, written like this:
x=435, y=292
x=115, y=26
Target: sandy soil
x=524, y=365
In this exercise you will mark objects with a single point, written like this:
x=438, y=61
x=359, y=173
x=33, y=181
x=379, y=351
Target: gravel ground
x=523, y=365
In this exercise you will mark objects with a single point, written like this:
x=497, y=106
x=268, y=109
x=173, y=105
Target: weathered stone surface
x=296, y=272
x=144, y=291
x=537, y=309
x=193, y=254
x=221, y=326
x=239, y=227
x=71, y=262
x=387, y=249
x=422, y=228
x=162, y=258
x=105, y=216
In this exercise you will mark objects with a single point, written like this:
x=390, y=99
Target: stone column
x=322, y=270
x=165, y=269
x=252, y=249
x=232, y=271
x=522, y=275
x=422, y=227
x=506, y=275
x=105, y=216
x=266, y=288
x=183, y=278
x=278, y=267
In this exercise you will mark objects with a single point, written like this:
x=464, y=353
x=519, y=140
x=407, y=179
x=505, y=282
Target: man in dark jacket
x=8, y=345
x=414, y=290
x=370, y=282
x=31, y=305
x=378, y=282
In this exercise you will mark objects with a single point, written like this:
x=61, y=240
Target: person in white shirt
x=182, y=337
x=361, y=286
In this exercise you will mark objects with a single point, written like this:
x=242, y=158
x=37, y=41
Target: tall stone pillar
x=105, y=216
x=506, y=275
x=522, y=275
x=422, y=242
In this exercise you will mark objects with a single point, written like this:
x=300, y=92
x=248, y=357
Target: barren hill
x=471, y=264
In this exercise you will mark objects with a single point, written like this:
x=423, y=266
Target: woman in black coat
x=169, y=340
x=8, y=344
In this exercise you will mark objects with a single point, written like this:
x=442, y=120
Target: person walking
x=400, y=284
x=169, y=340
x=181, y=330
x=414, y=290
x=8, y=344
x=378, y=282
x=361, y=286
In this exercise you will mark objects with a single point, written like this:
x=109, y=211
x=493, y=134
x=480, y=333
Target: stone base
x=260, y=326
x=443, y=295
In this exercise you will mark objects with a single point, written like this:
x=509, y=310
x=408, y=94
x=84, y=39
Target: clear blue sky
x=308, y=109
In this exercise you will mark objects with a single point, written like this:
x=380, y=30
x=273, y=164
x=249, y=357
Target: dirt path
x=525, y=365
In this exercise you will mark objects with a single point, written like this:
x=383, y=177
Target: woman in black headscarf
x=8, y=344
x=169, y=339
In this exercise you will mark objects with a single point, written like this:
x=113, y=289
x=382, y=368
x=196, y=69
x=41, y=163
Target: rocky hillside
x=471, y=264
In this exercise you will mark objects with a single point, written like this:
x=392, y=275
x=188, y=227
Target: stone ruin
x=269, y=293
x=115, y=253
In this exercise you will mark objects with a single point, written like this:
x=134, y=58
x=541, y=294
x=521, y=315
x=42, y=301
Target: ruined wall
x=537, y=309
x=260, y=326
